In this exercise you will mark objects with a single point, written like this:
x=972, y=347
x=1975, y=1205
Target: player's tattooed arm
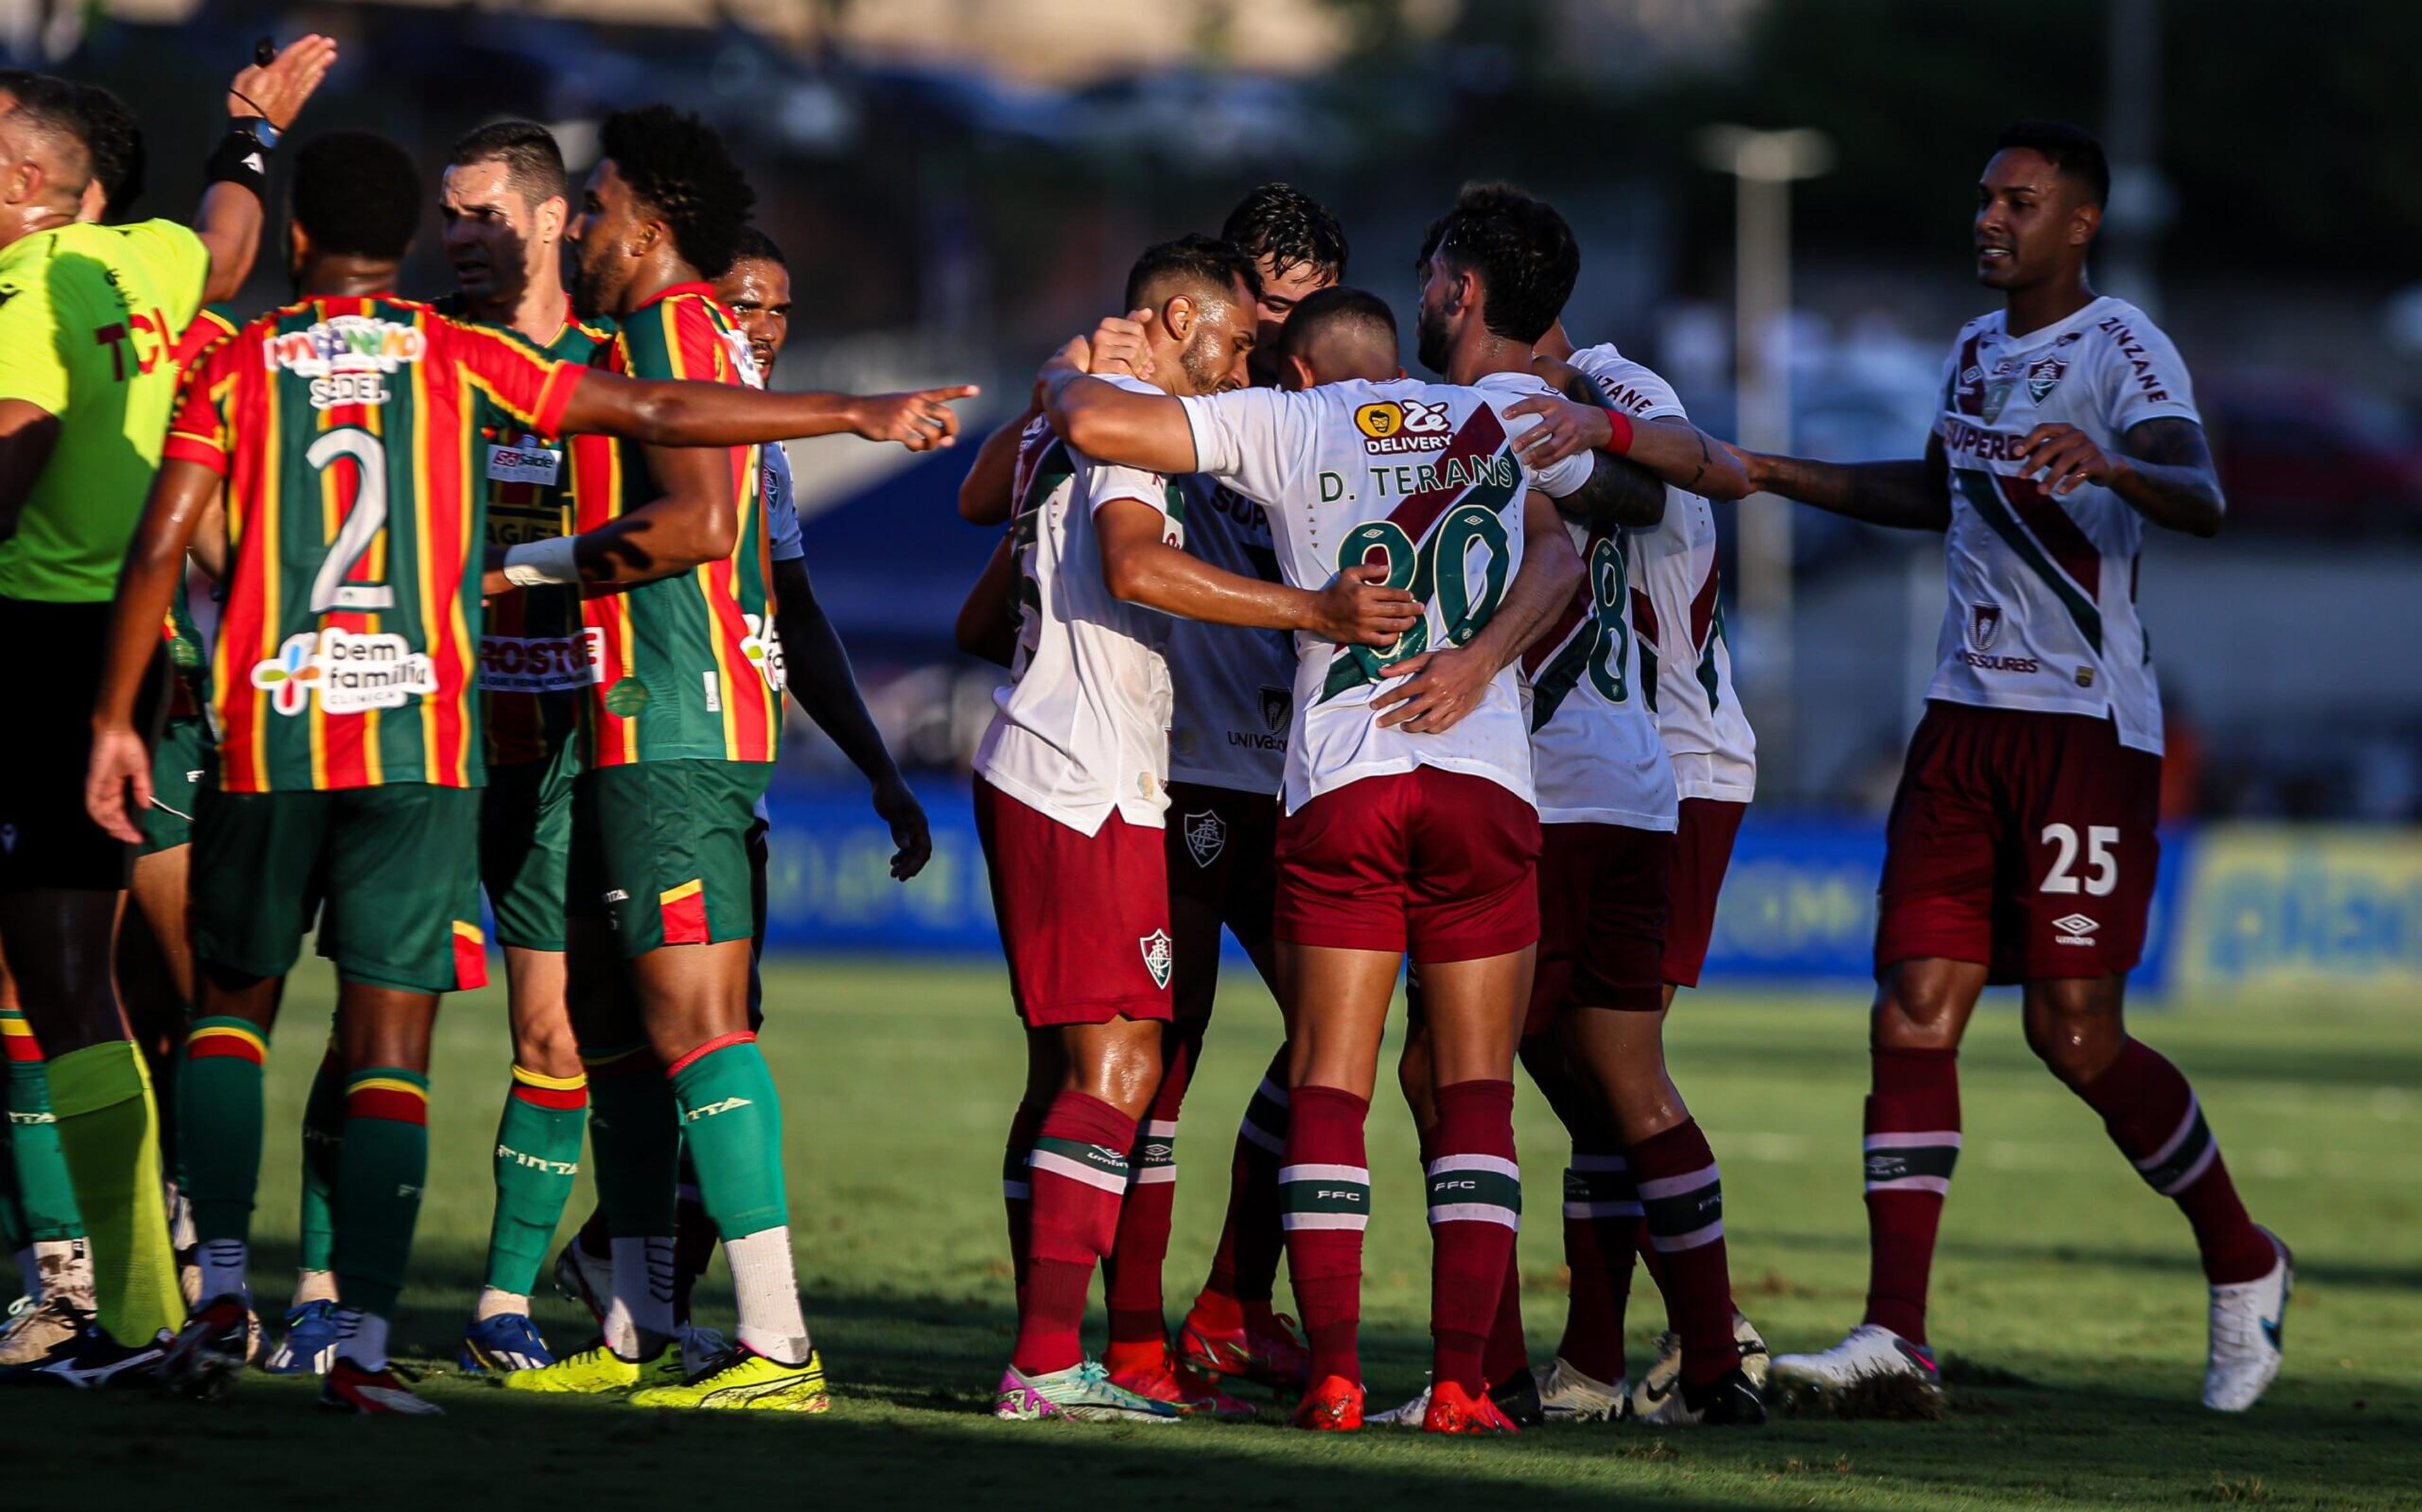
x=1911, y=495
x=1619, y=491
x=1356, y=608
x=820, y=678
x=667, y=414
x=1431, y=692
x=986, y=627
x=228, y=219
x=117, y=781
x=2164, y=470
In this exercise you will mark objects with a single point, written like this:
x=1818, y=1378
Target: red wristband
x=1619, y=441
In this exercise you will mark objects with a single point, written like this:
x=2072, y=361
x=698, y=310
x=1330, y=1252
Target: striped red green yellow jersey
x=535, y=659
x=347, y=431
x=189, y=688
x=683, y=670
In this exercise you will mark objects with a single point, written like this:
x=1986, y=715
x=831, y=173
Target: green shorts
x=392, y=874
x=181, y=766
x=661, y=850
x=524, y=846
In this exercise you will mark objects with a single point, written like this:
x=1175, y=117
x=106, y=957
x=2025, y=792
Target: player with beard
x=1073, y=787
x=2021, y=846
x=1410, y=826
x=504, y=207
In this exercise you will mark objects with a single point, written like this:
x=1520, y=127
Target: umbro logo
x=2074, y=930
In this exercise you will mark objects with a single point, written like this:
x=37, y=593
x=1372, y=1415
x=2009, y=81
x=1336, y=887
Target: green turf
x=2068, y=1292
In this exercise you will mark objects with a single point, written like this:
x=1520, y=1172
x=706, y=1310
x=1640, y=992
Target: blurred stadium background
x=960, y=184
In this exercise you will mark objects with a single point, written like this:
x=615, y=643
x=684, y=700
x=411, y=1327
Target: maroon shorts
x=1602, y=890
x=1222, y=846
x=1084, y=919
x=1702, y=850
x=2025, y=842
x=1434, y=863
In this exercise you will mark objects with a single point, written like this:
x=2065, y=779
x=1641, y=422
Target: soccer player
x=679, y=736
x=1686, y=681
x=88, y=316
x=504, y=204
x=1072, y=778
x=2021, y=845
x=1410, y=824
x=349, y=749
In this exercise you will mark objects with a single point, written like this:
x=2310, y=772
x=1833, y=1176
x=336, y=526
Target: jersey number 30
x=363, y=523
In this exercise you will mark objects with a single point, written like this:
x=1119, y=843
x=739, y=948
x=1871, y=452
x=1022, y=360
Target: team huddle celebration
x=447, y=629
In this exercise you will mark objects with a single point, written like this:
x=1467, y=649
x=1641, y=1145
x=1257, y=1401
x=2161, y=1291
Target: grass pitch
x=2066, y=1297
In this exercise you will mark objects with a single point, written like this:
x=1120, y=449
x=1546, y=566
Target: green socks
x=538, y=1153
x=733, y=1118
x=45, y=1195
x=108, y=1129
x=379, y=1174
x=635, y=1135
x=323, y=1140
x=222, y=1118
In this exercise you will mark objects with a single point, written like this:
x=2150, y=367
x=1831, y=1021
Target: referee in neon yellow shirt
x=88, y=316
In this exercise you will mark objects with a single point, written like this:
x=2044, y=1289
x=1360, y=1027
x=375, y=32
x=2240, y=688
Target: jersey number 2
x=363, y=523
x=2102, y=862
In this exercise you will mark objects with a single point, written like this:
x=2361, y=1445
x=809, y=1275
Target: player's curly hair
x=1191, y=258
x=356, y=194
x=116, y=139
x=2071, y=149
x=679, y=167
x=1522, y=249
x=1292, y=229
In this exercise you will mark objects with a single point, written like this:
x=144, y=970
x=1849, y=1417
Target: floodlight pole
x=1763, y=165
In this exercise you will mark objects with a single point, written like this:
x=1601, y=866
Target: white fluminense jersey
x=1082, y=728
x=1686, y=661
x=2043, y=591
x=1422, y=479
x=1235, y=687
x=1596, y=756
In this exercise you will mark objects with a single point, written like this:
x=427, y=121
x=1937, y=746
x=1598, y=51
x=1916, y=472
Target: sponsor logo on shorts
x=1206, y=836
x=1391, y=427
x=2086, y=677
x=1984, y=625
x=1159, y=957
x=617, y=896
x=2074, y=930
x=527, y=463
x=1277, y=704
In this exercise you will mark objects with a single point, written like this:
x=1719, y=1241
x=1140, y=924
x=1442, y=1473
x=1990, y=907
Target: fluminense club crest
x=1159, y=957
x=1206, y=836
x=2045, y=373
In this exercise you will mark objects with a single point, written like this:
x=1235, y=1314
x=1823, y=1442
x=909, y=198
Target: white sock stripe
x=1061, y=1166
x=1359, y=1174
x=1602, y=1210
x=2178, y=1136
x=1357, y=1222
x=1155, y=1176
x=1497, y=1165
x=1939, y=1185
x=1598, y=1163
x=1475, y=1213
x=1940, y=1139
x=2189, y=1177
x=1260, y=1138
x=1669, y=1186
x=1672, y=1243
x=1160, y=1128
x=1017, y=1191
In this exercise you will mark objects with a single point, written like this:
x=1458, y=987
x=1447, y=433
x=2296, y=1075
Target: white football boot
x=1408, y=1416
x=1868, y=1351
x=2247, y=1321
x=1567, y=1396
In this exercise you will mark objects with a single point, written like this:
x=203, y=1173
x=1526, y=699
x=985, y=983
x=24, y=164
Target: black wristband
x=240, y=159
